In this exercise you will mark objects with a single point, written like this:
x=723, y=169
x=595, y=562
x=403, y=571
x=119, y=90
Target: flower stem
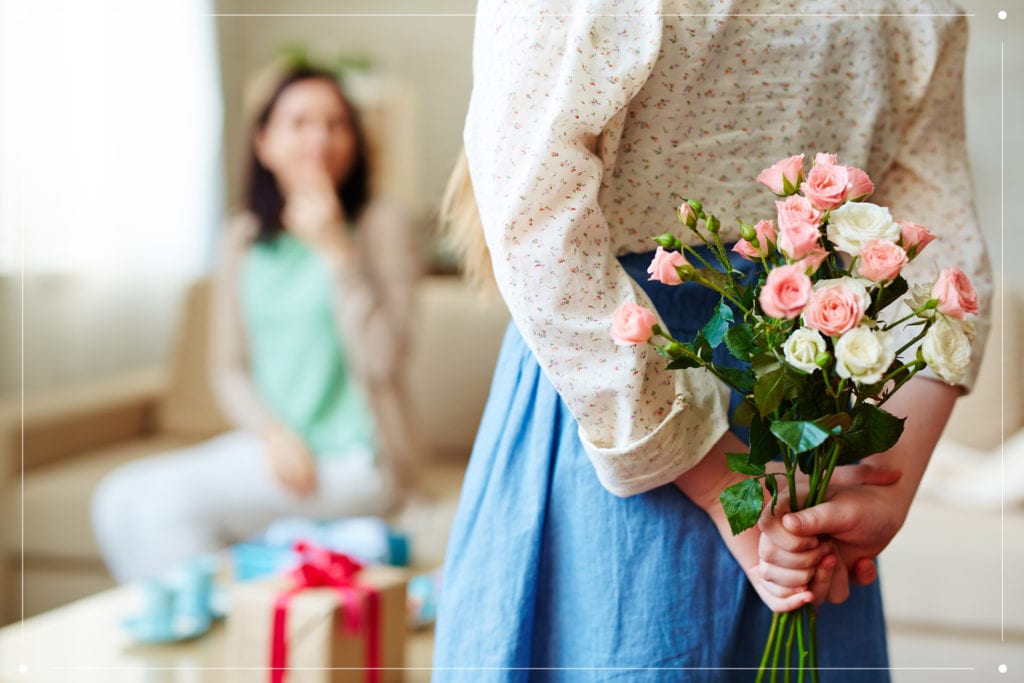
x=767, y=647
x=819, y=494
x=783, y=621
x=802, y=646
x=813, y=637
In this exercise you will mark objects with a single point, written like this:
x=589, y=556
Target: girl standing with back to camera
x=589, y=534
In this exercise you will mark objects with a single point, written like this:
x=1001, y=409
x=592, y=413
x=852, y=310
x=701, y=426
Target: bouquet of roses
x=817, y=362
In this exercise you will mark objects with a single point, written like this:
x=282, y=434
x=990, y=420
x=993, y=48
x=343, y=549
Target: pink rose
x=765, y=234
x=791, y=169
x=860, y=184
x=785, y=292
x=632, y=324
x=955, y=293
x=663, y=267
x=798, y=226
x=827, y=185
x=835, y=307
x=881, y=260
x=914, y=237
x=812, y=260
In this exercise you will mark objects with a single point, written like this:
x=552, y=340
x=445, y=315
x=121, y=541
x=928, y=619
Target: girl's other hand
x=290, y=460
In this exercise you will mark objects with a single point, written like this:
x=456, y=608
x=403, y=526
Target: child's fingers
x=772, y=554
x=840, y=589
x=821, y=584
x=784, y=539
x=865, y=571
x=782, y=602
x=784, y=576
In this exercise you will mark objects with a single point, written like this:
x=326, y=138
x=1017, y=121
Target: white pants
x=150, y=514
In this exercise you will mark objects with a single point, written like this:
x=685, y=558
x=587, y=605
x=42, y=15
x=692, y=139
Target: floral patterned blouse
x=589, y=121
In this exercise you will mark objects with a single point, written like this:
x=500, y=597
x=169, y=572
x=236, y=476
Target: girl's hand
x=290, y=460
x=313, y=214
x=855, y=530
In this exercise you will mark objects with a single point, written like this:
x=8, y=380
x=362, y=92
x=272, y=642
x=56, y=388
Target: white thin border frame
x=473, y=14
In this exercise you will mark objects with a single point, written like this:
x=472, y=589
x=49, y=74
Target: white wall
x=430, y=51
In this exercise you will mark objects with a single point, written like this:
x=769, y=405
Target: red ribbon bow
x=320, y=568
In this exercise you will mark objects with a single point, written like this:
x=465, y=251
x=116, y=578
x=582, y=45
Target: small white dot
x=1002, y=667
x=1002, y=14
x=22, y=668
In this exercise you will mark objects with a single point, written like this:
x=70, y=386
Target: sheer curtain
x=110, y=178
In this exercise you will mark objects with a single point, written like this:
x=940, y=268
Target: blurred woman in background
x=311, y=310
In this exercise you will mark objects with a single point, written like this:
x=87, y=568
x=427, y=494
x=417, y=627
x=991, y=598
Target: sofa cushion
x=457, y=337
x=189, y=407
x=57, y=497
x=944, y=569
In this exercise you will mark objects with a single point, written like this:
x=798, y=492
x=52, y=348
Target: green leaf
x=830, y=423
x=739, y=339
x=716, y=328
x=892, y=291
x=772, y=388
x=799, y=435
x=773, y=488
x=702, y=347
x=763, y=446
x=764, y=363
x=872, y=430
x=742, y=503
x=742, y=380
x=740, y=462
x=683, y=363
x=744, y=413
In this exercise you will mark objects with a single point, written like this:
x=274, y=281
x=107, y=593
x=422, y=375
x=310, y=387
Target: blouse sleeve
x=929, y=182
x=374, y=292
x=547, y=83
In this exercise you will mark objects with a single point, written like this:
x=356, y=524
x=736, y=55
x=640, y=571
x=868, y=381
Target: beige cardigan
x=374, y=310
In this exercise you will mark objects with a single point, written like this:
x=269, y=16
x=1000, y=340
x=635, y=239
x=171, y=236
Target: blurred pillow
x=189, y=407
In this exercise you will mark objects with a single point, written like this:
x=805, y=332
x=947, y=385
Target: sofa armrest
x=61, y=423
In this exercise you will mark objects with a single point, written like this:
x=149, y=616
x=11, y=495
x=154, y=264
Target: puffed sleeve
x=929, y=182
x=548, y=82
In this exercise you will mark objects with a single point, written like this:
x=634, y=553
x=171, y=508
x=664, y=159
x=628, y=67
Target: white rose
x=854, y=223
x=919, y=296
x=864, y=355
x=802, y=347
x=947, y=349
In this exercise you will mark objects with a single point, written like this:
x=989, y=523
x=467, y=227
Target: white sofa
x=74, y=436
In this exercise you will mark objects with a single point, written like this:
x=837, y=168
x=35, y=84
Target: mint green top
x=296, y=353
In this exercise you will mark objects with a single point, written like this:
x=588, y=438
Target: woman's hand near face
x=314, y=215
x=290, y=460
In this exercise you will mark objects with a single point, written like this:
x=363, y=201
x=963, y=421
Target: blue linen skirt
x=548, y=576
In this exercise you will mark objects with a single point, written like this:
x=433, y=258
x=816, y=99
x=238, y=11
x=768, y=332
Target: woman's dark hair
x=262, y=195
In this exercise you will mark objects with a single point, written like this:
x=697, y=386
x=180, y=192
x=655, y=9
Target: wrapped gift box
x=322, y=647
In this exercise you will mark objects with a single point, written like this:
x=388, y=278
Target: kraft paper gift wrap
x=321, y=646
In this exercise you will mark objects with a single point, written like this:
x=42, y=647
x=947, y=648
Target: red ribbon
x=360, y=604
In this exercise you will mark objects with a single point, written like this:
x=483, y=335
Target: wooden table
x=83, y=642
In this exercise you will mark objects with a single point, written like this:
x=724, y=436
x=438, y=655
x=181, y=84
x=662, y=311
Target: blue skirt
x=548, y=576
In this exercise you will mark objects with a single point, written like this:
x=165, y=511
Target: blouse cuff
x=698, y=419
